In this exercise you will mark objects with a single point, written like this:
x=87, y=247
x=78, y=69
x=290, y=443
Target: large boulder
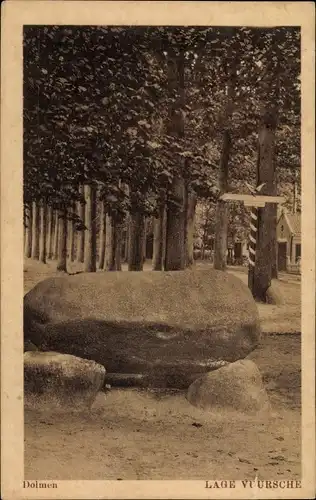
x=168, y=326
x=237, y=386
x=54, y=381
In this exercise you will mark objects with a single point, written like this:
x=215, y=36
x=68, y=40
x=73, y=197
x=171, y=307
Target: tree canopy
x=96, y=103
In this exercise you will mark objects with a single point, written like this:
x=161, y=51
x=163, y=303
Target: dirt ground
x=134, y=434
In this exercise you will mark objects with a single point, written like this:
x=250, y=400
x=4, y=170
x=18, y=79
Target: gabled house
x=289, y=241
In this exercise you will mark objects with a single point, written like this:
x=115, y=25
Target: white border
x=14, y=15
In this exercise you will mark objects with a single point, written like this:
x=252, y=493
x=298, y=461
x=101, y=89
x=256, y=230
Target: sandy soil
x=134, y=434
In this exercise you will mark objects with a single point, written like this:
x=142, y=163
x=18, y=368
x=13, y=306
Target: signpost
x=255, y=201
x=252, y=200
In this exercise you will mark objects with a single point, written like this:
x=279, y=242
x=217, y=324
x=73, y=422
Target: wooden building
x=289, y=241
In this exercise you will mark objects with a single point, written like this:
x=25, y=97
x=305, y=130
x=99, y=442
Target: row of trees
x=102, y=242
x=125, y=124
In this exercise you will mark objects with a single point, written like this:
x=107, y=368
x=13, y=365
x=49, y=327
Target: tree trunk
x=102, y=235
x=35, y=231
x=81, y=233
x=295, y=192
x=28, y=234
x=259, y=277
x=175, y=225
x=56, y=235
x=43, y=228
x=175, y=255
x=185, y=214
x=71, y=238
x=274, y=240
x=113, y=245
x=109, y=244
x=117, y=250
x=136, y=242
x=62, y=241
x=220, y=247
x=127, y=238
x=49, y=232
x=220, y=259
x=206, y=215
x=90, y=253
x=145, y=239
x=192, y=199
x=158, y=245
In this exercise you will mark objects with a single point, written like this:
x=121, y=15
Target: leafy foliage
x=97, y=102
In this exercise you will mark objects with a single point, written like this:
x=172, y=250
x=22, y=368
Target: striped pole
x=253, y=236
x=253, y=227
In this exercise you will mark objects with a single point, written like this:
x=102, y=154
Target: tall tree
x=175, y=225
x=90, y=233
x=50, y=232
x=159, y=233
x=118, y=227
x=145, y=239
x=260, y=276
x=81, y=233
x=222, y=207
x=280, y=86
x=35, y=230
x=102, y=238
x=28, y=236
x=192, y=200
x=136, y=242
x=109, y=264
x=71, y=234
x=43, y=232
x=127, y=237
x=56, y=234
x=62, y=241
x=113, y=247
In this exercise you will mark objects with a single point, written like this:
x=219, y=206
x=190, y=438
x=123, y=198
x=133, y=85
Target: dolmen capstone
x=164, y=329
x=54, y=381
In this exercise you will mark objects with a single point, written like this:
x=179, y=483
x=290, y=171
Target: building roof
x=294, y=222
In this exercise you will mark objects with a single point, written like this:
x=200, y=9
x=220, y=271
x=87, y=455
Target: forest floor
x=137, y=434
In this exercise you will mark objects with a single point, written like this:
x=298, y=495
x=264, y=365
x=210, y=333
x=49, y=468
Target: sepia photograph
x=162, y=255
